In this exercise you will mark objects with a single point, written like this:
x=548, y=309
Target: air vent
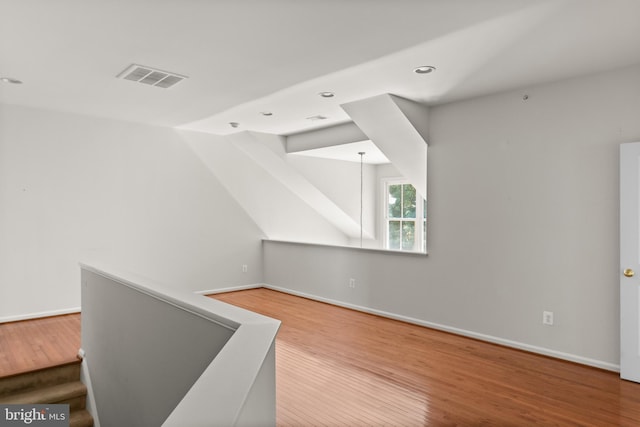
x=150, y=76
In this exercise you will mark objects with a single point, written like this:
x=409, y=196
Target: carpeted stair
x=58, y=384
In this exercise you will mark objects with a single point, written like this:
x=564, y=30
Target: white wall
x=294, y=197
x=523, y=217
x=279, y=212
x=143, y=353
x=340, y=181
x=76, y=188
x=160, y=356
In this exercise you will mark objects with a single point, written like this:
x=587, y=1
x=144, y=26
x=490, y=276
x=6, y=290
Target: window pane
x=394, y=234
x=409, y=201
x=395, y=201
x=408, y=234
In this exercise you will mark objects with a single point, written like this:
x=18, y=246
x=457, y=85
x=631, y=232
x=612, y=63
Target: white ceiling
x=349, y=152
x=243, y=57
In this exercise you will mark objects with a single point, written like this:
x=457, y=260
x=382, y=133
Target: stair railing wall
x=161, y=357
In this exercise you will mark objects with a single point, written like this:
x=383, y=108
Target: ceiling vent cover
x=150, y=76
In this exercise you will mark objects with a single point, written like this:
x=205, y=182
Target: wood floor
x=41, y=343
x=337, y=367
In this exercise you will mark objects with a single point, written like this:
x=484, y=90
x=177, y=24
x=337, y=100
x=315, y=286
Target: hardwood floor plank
x=340, y=367
x=38, y=343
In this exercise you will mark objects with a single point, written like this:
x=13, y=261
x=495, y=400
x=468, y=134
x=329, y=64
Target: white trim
x=355, y=248
x=229, y=289
x=482, y=337
x=39, y=315
x=179, y=299
x=85, y=377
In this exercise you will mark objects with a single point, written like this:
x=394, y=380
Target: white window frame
x=420, y=244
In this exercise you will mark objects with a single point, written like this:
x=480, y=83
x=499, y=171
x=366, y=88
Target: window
x=405, y=217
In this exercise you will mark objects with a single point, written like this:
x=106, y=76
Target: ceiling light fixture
x=318, y=117
x=424, y=69
x=10, y=80
x=327, y=94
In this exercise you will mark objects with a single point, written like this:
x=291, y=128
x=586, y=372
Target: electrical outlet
x=245, y=268
x=352, y=283
x=547, y=318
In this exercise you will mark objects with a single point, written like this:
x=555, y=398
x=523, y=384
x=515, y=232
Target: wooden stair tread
x=38, y=343
x=5, y=373
x=59, y=384
x=18, y=383
x=43, y=367
x=50, y=394
x=81, y=418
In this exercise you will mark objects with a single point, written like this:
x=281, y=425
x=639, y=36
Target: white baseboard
x=483, y=337
x=39, y=315
x=230, y=289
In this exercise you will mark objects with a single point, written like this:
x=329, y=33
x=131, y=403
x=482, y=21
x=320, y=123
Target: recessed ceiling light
x=234, y=124
x=10, y=80
x=424, y=69
x=326, y=94
x=318, y=117
x=266, y=113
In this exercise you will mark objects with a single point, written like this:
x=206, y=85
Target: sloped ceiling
x=244, y=57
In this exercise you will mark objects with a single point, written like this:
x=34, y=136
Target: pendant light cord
x=361, y=153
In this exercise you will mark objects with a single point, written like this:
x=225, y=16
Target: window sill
x=355, y=248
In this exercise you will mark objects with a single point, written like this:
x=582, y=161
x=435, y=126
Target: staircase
x=58, y=384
